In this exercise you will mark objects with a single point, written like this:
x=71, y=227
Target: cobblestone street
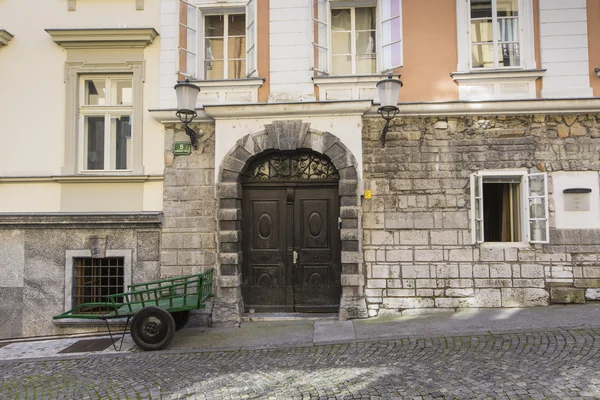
x=544, y=364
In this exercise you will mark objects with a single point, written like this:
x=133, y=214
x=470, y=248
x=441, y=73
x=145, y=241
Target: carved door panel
x=317, y=268
x=291, y=254
x=265, y=278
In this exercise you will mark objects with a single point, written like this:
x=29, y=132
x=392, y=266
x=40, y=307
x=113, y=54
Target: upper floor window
x=105, y=119
x=356, y=37
x=217, y=43
x=495, y=33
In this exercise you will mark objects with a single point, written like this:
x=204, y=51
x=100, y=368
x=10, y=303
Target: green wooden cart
x=157, y=309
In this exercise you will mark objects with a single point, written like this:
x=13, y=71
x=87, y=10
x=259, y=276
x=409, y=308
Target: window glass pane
x=341, y=65
x=508, y=54
x=94, y=142
x=187, y=39
x=236, y=69
x=121, y=91
x=365, y=18
x=237, y=47
x=214, y=70
x=340, y=19
x=365, y=42
x=482, y=56
x=392, y=55
x=95, y=92
x=508, y=30
x=187, y=14
x=481, y=31
x=190, y=60
x=536, y=185
x=237, y=25
x=341, y=43
x=366, y=64
x=537, y=208
x=481, y=8
x=214, y=49
x=120, y=137
x=214, y=25
x=507, y=8
x=538, y=231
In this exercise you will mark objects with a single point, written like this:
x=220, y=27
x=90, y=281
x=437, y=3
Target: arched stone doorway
x=291, y=137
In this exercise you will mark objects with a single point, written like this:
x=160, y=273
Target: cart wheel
x=152, y=328
x=181, y=318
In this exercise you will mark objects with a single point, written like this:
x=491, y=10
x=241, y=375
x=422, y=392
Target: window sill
x=228, y=91
x=348, y=87
x=497, y=84
x=519, y=245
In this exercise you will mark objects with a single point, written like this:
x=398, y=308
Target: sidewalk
x=306, y=332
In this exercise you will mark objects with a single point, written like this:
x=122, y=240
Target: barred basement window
x=94, y=279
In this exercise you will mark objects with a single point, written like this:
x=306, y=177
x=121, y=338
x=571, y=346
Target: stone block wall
x=34, y=253
x=189, y=229
x=418, y=249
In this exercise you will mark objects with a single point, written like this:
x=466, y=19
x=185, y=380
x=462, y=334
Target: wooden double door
x=291, y=248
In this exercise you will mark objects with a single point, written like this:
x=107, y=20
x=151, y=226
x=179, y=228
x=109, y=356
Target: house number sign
x=182, y=148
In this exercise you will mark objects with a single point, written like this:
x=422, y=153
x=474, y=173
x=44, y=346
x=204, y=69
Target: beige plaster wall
x=32, y=96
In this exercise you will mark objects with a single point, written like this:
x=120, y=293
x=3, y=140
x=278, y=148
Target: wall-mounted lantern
x=389, y=91
x=187, y=94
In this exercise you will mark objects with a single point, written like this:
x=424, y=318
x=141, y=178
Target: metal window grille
x=95, y=278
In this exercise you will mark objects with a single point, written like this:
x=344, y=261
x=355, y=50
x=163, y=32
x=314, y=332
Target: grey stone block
x=11, y=310
x=567, y=295
x=148, y=246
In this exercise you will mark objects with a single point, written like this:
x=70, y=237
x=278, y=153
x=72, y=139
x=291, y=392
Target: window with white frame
x=356, y=37
x=509, y=206
x=495, y=34
x=217, y=43
x=105, y=122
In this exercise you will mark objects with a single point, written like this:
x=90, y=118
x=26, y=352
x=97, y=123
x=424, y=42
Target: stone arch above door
x=286, y=136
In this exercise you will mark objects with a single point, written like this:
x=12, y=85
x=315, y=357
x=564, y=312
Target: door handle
x=294, y=257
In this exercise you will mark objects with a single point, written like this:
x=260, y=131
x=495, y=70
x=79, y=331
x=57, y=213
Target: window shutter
x=251, y=62
x=477, y=208
x=537, y=210
x=187, y=62
x=320, y=35
x=391, y=34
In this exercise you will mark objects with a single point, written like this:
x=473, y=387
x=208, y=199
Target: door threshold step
x=267, y=317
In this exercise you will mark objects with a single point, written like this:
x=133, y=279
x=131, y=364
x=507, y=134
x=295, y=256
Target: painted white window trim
x=464, y=41
x=106, y=112
x=111, y=38
x=477, y=179
x=70, y=255
x=249, y=9
x=73, y=147
x=78, y=39
x=357, y=85
x=498, y=79
x=326, y=6
x=5, y=37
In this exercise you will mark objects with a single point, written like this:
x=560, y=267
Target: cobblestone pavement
x=537, y=365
